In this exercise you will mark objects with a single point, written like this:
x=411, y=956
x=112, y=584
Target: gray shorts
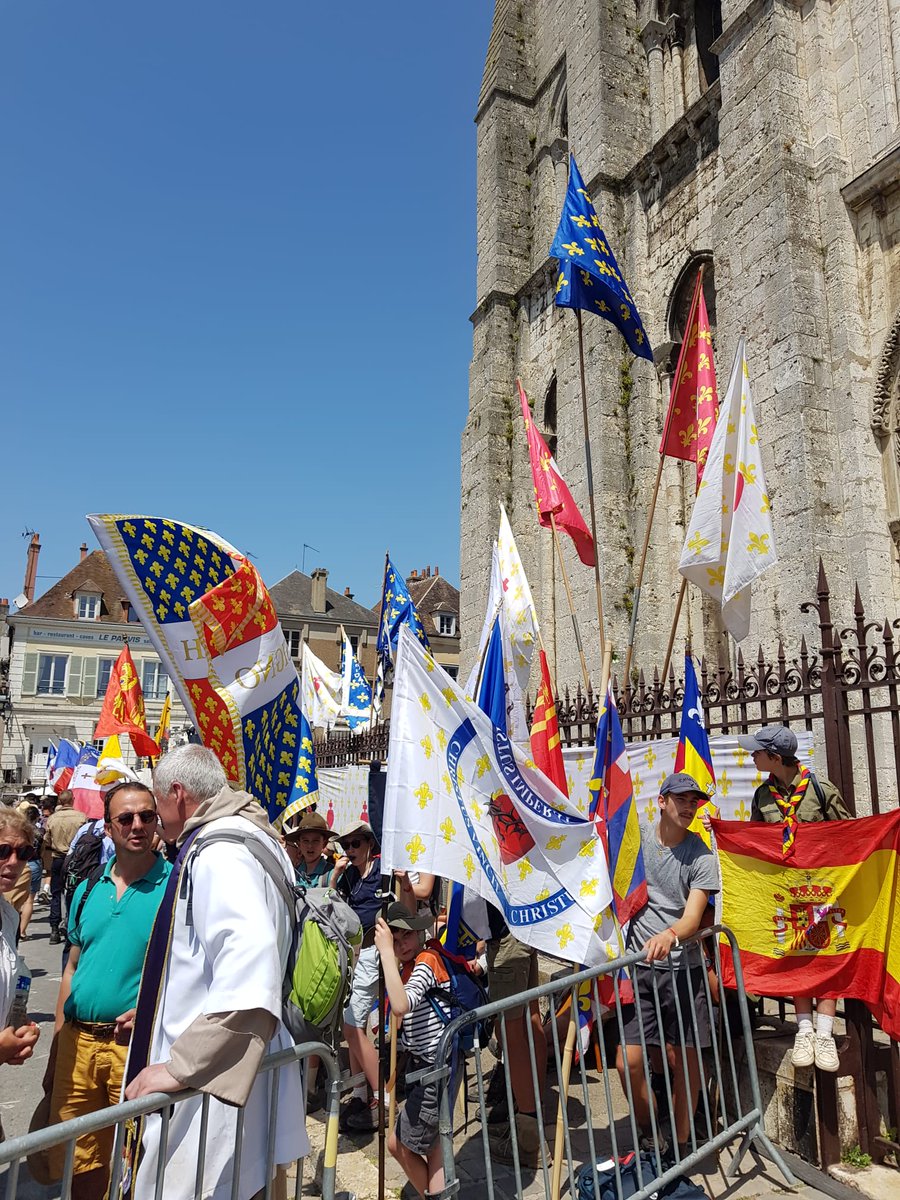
x=417, y=1124
x=694, y=1009
x=364, y=989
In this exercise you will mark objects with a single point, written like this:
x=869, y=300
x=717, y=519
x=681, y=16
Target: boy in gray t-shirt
x=681, y=873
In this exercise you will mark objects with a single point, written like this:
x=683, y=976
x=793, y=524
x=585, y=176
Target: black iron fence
x=843, y=687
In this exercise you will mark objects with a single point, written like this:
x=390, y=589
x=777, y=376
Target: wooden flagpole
x=665, y=670
x=676, y=383
x=575, y=627
x=590, y=482
x=572, y=1030
x=387, y=558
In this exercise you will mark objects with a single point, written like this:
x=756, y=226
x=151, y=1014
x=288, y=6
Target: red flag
x=550, y=491
x=123, y=708
x=694, y=404
x=545, y=744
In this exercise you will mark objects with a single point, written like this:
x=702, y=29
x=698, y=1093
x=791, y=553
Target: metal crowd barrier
x=14, y=1152
x=594, y=1128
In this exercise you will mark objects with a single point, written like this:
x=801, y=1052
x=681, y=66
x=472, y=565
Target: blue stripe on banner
x=515, y=914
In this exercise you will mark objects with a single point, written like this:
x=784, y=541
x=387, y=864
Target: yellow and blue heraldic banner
x=821, y=923
x=589, y=276
x=210, y=617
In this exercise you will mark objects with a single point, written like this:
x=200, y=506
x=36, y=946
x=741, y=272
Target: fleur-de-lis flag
x=207, y=612
x=730, y=540
x=462, y=801
x=589, y=277
x=397, y=610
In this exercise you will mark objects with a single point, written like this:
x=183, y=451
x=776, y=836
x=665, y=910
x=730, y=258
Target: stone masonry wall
x=757, y=173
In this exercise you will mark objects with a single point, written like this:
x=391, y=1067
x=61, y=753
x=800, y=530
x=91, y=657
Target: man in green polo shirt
x=110, y=921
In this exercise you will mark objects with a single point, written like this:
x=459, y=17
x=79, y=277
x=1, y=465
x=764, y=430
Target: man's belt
x=97, y=1029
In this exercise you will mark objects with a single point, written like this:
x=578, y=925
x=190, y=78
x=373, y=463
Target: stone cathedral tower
x=759, y=137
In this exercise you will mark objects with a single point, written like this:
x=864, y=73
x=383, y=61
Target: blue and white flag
x=461, y=801
x=397, y=610
x=356, y=694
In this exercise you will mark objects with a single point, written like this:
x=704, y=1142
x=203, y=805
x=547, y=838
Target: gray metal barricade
x=120, y=1119
x=597, y=1121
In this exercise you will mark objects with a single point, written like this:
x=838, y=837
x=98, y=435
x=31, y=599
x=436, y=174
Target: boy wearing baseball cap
x=791, y=795
x=681, y=873
x=411, y=976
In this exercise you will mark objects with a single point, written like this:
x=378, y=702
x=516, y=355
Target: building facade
x=310, y=611
x=62, y=649
x=759, y=138
x=437, y=603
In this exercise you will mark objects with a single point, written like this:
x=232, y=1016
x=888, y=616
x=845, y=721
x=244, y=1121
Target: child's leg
x=413, y=1164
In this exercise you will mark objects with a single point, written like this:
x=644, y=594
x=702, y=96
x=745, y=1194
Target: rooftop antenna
x=307, y=546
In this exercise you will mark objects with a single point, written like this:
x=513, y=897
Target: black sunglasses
x=23, y=853
x=355, y=844
x=126, y=820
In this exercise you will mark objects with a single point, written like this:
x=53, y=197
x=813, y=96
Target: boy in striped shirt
x=411, y=975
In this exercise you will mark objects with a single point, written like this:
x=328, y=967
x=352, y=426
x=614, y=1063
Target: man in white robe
x=219, y=1010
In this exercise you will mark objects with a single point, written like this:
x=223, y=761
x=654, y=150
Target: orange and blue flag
x=615, y=813
x=693, y=754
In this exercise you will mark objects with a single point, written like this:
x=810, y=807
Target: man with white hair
x=210, y=1001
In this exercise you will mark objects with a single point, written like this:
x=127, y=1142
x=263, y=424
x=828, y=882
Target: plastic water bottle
x=18, y=1013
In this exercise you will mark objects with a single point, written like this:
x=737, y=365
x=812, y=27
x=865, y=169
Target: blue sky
x=236, y=270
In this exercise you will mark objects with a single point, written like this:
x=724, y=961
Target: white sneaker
x=826, y=1053
x=804, y=1052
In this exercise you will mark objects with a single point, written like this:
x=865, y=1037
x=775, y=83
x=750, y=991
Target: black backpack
x=82, y=861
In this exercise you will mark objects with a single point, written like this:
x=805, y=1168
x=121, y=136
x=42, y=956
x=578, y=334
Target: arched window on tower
x=550, y=417
x=683, y=293
x=707, y=27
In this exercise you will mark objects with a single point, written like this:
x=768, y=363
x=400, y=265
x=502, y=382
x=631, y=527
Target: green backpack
x=327, y=935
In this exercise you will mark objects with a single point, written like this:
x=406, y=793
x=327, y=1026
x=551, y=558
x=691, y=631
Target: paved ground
x=357, y=1159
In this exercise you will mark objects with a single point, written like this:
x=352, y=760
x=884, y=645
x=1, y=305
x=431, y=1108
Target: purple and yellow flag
x=210, y=617
x=821, y=923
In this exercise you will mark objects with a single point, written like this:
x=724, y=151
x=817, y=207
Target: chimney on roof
x=319, y=581
x=348, y=593
x=428, y=572
x=415, y=575
x=4, y=607
x=31, y=566
x=437, y=570
x=83, y=549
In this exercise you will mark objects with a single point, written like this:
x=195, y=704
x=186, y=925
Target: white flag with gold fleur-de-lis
x=730, y=541
x=463, y=802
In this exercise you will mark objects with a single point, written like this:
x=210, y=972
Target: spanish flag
x=823, y=923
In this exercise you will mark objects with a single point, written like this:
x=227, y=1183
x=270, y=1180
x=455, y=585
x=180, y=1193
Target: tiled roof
x=93, y=574
x=292, y=597
x=432, y=595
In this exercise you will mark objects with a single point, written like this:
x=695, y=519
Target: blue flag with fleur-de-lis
x=397, y=610
x=589, y=276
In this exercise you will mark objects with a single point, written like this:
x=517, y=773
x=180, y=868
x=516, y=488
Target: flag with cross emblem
x=589, y=276
x=210, y=617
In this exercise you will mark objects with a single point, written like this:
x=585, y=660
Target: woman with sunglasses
x=357, y=876
x=16, y=849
